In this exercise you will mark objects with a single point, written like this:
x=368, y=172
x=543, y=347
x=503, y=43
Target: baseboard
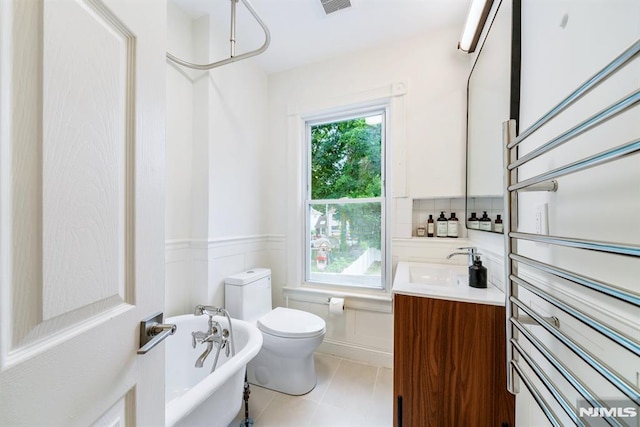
x=360, y=354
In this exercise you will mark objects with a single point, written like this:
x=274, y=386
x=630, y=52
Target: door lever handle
x=153, y=332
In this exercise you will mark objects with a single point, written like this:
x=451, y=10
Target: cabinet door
x=445, y=359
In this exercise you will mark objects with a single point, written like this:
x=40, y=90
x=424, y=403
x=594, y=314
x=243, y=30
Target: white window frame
x=338, y=115
x=392, y=94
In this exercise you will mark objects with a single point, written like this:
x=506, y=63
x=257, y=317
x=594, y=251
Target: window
x=345, y=201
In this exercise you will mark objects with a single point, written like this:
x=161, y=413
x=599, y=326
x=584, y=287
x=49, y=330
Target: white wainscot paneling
x=360, y=335
x=178, y=278
x=196, y=269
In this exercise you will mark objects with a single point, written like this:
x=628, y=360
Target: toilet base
x=294, y=376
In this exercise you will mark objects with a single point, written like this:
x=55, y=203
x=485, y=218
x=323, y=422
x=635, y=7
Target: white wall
x=230, y=183
x=425, y=77
x=565, y=43
x=179, y=142
x=435, y=75
x=601, y=203
x=216, y=143
x=227, y=185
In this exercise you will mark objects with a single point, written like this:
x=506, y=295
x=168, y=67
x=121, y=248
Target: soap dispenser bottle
x=430, y=226
x=452, y=226
x=477, y=273
x=485, y=222
x=441, y=228
x=473, y=222
x=498, y=226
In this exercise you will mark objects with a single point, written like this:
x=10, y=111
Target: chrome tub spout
x=215, y=334
x=204, y=355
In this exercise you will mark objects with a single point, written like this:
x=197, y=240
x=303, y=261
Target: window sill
x=369, y=300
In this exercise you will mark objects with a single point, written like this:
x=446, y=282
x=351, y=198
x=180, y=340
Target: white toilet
x=285, y=362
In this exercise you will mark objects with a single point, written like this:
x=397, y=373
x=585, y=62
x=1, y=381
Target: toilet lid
x=290, y=323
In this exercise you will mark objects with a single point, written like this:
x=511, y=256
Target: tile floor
x=348, y=393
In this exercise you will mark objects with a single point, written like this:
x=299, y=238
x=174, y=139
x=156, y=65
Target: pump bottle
x=430, y=226
x=441, y=228
x=477, y=273
x=473, y=222
x=485, y=222
x=498, y=226
x=452, y=226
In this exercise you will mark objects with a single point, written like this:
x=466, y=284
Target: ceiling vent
x=331, y=6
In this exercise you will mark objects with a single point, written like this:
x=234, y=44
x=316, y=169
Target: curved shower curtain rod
x=232, y=57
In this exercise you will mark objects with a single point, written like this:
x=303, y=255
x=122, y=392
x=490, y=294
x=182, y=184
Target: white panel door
x=81, y=210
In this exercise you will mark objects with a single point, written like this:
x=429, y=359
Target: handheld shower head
x=207, y=309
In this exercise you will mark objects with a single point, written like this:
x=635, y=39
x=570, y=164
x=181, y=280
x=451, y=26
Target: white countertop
x=442, y=281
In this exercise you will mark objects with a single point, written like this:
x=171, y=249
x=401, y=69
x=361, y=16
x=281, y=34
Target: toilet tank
x=247, y=295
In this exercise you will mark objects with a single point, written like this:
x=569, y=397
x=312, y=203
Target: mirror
x=492, y=98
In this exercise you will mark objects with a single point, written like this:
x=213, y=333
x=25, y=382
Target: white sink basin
x=435, y=274
x=443, y=281
x=462, y=280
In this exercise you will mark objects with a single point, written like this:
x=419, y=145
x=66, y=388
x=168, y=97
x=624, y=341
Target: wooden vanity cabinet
x=449, y=364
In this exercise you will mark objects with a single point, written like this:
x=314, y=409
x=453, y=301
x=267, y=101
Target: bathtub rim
x=181, y=406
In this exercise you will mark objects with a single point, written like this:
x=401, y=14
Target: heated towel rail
x=563, y=369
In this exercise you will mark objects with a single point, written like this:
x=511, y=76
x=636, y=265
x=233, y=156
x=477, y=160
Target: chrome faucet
x=214, y=334
x=470, y=253
x=200, y=360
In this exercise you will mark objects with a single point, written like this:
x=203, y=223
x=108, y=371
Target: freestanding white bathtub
x=194, y=396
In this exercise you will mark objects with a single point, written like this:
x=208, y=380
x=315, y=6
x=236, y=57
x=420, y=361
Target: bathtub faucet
x=215, y=334
x=200, y=360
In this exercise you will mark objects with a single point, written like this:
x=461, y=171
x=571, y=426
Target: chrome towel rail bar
x=548, y=383
x=596, y=285
x=582, y=90
x=549, y=284
x=593, y=121
x=578, y=385
x=606, y=371
x=597, y=159
x=551, y=415
x=605, y=330
x=607, y=247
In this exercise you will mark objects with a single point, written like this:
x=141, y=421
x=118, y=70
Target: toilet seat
x=290, y=323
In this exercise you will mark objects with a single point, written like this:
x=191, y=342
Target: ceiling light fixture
x=474, y=24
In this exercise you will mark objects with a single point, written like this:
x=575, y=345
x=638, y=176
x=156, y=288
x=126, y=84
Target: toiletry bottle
x=485, y=222
x=477, y=274
x=452, y=226
x=441, y=227
x=498, y=226
x=420, y=231
x=473, y=222
x=430, y=226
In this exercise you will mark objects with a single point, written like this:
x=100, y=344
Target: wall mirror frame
x=493, y=96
